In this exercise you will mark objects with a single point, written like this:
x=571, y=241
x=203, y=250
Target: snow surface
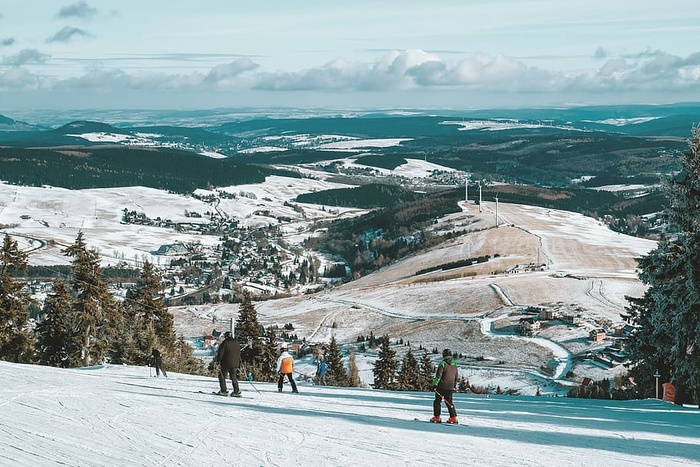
x=364, y=143
x=589, y=270
x=623, y=121
x=121, y=416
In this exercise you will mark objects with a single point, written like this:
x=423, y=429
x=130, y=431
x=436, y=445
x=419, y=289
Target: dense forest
x=114, y=166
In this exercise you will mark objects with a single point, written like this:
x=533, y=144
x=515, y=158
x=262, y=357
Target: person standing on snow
x=444, y=384
x=157, y=362
x=285, y=367
x=321, y=370
x=228, y=358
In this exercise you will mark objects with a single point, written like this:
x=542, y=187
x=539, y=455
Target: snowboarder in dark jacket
x=157, y=362
x=228, y=358
x=444, y=384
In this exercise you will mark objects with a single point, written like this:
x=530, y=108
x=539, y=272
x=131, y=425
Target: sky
x=121, y=415
x=355, y=55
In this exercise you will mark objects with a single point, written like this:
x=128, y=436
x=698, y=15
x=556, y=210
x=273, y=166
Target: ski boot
x=452, y=421
x=435, y=420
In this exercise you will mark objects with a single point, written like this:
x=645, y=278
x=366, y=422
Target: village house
x=547, y=314
x=597, y=335
x=529, y=326
x=572, y=319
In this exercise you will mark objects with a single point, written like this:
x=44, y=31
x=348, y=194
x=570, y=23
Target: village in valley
x=227, y=242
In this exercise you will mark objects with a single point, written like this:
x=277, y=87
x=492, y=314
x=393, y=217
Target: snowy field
x=120, y=416
x=588, y=270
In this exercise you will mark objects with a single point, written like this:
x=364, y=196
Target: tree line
x=81, y=323
x=666, y=338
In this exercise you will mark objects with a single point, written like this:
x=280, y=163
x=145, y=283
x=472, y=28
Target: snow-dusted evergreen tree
x=336, y=374
x=183, y=359
x=150, y=314
x=268, y=358
x=15, y=341
x=385, y=367
x=94, y=314
x=53, y=333
x=409, y=375
x=667, y=317
x=247, y=324
x=427, y=372
x=248, y=330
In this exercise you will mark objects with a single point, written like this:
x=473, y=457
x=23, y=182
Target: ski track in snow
x=119, y=415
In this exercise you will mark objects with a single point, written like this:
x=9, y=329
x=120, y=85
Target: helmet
x=446, y=353
x=227, y=334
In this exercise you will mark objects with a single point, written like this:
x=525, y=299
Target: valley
x=493, y=271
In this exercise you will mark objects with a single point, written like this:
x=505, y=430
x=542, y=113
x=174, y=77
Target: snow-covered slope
x=120, y=416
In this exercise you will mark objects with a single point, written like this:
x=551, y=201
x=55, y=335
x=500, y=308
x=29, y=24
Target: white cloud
x=224, y=73
x=395, y=72
x=77, y=10
x=68, y=33
x=25, y=57
x=17, y=78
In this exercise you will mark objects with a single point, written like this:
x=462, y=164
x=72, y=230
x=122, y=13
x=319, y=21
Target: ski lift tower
x=466, y=190
x=496, y=210
x=479, y=182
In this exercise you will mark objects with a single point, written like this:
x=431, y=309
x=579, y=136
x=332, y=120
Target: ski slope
x=120, y=416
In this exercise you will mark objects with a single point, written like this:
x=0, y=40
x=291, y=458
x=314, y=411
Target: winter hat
x=446, y=353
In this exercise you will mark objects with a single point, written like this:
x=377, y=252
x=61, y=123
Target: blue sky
x=362, y=54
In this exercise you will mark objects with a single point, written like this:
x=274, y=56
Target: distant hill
x=601, y=145
x=84, y=126
x=80, y=167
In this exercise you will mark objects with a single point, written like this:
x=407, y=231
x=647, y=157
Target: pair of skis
x=221, y=394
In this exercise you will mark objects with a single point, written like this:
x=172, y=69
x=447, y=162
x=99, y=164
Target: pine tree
x=409, y=375
x=94, y=309
x=15, y=340
x=427, y=372
x=463, y=385
x=150, y=313
x=268, y=360
x=247, y=324
x=183, y=359
x=248, y=329
x=386, y=366
x=53, y=331
x=130, y=340
x=667, y=317
x=336, y=374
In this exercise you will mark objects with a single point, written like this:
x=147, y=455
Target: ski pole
x=250, y=380
x=443, y=398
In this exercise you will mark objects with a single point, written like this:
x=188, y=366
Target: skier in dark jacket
x=157, y=362
x=444, y=384
x=228, y=359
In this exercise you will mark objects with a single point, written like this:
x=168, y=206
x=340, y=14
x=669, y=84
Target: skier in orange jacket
x=285, y=367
